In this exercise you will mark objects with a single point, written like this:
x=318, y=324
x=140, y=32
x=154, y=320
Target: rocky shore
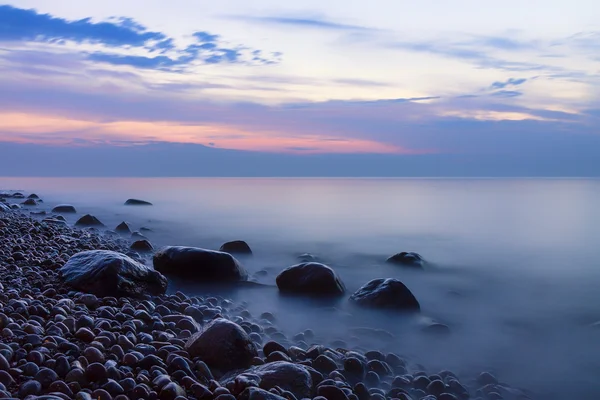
x=58, y=342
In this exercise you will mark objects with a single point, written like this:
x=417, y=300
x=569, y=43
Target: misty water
x=513, y=265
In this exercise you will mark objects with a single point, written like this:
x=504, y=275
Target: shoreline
x=32, y=281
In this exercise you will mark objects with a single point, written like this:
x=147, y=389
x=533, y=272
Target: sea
x=513, y=265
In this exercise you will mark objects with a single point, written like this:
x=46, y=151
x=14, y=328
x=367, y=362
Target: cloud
x=507, y=93
x=119, y=34
x=509, y=82
x=29, y=26
x=303, y=22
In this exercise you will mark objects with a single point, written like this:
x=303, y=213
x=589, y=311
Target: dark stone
x=199, y=264
x=170, y=391
x=136, y=202
x=223, y=345
x=123, y=227
x=236, y=247
x=271, y=347
x=33, y=196
x=142, y=245
x=108, y=273
x=30, y=202
x=30, y=388
x=331, y=392
x=436, y=387
x=46, y=376
x=88, y=220
x=290, y=377
x=312, y=278
x=64, y=209
x=96, y=372
x=254, y=393
x=436, y=329
x=406, y=259
x=324, y=364
x=386, y=293
x=485, y=378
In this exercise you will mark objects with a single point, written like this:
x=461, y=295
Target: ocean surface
x=513, y=264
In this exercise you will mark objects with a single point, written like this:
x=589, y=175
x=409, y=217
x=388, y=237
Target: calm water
x=515, y=264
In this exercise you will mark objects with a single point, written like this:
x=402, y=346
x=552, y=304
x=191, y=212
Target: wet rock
x=331, y=392
x=30, y=202
x=64, y=209
x=108, y=273
x=485, y=378
x=46, y=376
x=406, y=259
x=199, y=264
x=311, y=278
x=436, y=329
x=236, y=247
x=33, y=196
x=254, y=393
x=136, y=202
x=30, y=388
x=223, y=345
x=123, y=227
x=142, y=246
x=387, y=294
x=88, y=220
x=171, y=391
x=290, y=377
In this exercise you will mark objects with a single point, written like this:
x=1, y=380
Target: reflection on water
x=513, y=272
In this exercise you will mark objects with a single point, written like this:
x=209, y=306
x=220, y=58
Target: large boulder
x=406, y=259
x=312, y=278
x=236, y=247
x=294, y=378
x=199, y=264
x=30, y=202
x=88, y=220
x=108, y=273
x=223, y=345
x=142, y=245
x=123, y=227
x=64, y=209
x=136, y=202
x=386, y=293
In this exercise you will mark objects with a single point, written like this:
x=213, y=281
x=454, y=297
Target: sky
x=380, y=87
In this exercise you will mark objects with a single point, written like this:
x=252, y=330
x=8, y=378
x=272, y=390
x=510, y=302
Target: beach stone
x=142, y=245
x=46, y=376
x=387, y=294
x=289, y=377
x=254, y=393
x=199, y=264
x=170, y=391
x=310, y=278
x=88, y=220
x=236, y=247
x=64, y=209
x=30, y=388
x=33, y=196
x=30, y=202
x=485, y=378
x=123, y=227
x=331, y=392
x=406, y=259
x=137, y=202
x=223, y=345
x=4, y=207
x=108, y=273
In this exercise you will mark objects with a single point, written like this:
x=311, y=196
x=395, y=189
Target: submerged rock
x=311, y=277
x=407, y=259
x=386, y=293
x=307, y=257
x=236, y=247
x=88, y=220
x=142, y=245
x=30, y=202
x=33, y=196
x=136, y=202
x=64, y=209
x=123, y=227
x=199, y=264
x=108, y=273
x=223, y=345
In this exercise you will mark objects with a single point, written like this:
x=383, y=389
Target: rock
x=123, y=227
x=33, y=196
x=223, y=345
x=142, y=245
x=331, y=392
x=254, y=393
x=64, y=209
x=88, y=220
x=406, y=259
x=170, y=391
x=311, y=278
x=386, y=293
x=199, y=264
x=108, y=273
x=236, y=247
x=4, y=207
x=30, y=202
x=290, y=377
x=136, y=202
x=307, y=257
x=436, y=329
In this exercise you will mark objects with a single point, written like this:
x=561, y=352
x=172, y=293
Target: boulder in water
x=88, y=220
x=33, y=196
x=30, y=202
x=199, y=264
x=138, y=236
x=407, y=259
x=311, y=278
x=222, y=345
x=18, y=195
x=64, y=209
x=4, y=207
x=236, y=247
x=142, y=245
x=136, y=202
x=123, y=227
x=386, y=293
x=108, y=273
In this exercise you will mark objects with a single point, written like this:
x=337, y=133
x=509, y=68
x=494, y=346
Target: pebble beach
x=60, y=342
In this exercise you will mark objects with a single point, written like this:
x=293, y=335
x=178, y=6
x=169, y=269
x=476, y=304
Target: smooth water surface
x=514, y=264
